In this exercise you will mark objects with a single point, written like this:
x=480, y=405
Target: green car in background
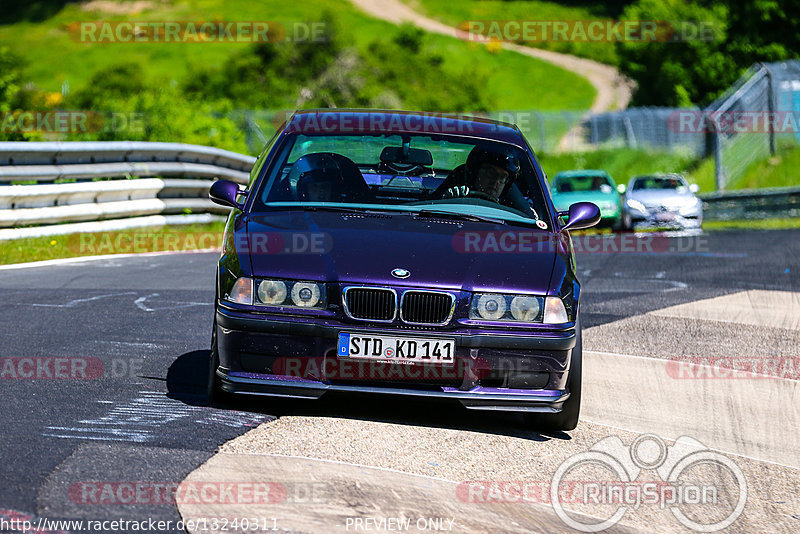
x=596, y=186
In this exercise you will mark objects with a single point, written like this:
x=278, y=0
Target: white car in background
x=662, y=201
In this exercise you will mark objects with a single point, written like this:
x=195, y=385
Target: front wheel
x=567, y=418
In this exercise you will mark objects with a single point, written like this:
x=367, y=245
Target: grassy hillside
x=780, y=170
x=52, y=57
x=455, y=13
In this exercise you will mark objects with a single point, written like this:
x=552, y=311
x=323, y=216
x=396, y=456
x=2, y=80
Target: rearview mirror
x=694, y=188
x=224, y=192
x=407, y=156
x=582, y=215
x=621, y=188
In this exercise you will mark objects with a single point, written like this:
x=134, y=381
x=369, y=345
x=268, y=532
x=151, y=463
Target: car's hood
x=564, y=200
x=367, y=248
x=662, y=197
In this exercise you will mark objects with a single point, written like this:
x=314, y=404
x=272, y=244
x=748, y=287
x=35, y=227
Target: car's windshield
x=403, y=172
x=572, y=184
x=658, y=182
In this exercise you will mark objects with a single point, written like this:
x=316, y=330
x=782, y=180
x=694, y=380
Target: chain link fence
x=546, y=131
x=748, y=123
x=758, y=114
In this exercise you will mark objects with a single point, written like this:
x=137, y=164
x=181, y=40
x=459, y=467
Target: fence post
x=770, y=108
x=630, y=136
x=719, y=175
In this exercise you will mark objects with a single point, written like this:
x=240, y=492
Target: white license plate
x=397, y=349
x=665, y=216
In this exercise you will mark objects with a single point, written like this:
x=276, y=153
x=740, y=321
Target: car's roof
x=366, y=121
x=577, y=174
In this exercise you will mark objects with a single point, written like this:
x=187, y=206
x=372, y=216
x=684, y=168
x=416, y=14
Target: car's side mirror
x=224, y=193
x=582, y=215
x=694, y=188
x=621, y=189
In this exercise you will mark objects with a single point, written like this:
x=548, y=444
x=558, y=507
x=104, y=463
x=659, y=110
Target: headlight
x=691, y=205
x=305, y=295
x=291, y=294
x=496, y=307
x=272, y=292
x=525, y=308
x=242, y=291
x=636, y=205
x=554, y=312
x=489, y=307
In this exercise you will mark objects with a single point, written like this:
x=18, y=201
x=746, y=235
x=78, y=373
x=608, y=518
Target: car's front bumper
x=667, y=219
x=254, y=352
x=476, y=398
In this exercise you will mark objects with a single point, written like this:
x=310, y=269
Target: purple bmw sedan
x=398, y=253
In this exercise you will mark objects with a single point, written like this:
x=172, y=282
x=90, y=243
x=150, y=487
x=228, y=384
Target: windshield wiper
x=344, y=209
x=461, y=216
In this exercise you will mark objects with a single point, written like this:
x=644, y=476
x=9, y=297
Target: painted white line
x=81, y=259
x=756, y=307
x=756, y=418
x=140, y=302
x=707, y=370
x=132, y=344
x=73, y=303
x=615, y=427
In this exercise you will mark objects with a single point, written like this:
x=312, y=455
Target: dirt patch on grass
x=118, y=8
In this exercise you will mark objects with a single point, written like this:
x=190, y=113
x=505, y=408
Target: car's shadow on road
x=188, y=375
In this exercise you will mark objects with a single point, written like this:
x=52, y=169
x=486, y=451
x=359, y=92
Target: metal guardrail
x=52, y=153
x=86, y=204
x=752, y=204
x=92, y=206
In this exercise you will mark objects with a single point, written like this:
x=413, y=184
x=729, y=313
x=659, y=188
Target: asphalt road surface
x=123, y=400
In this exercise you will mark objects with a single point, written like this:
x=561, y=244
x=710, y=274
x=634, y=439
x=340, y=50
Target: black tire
x=567, y=418
x=214, y=388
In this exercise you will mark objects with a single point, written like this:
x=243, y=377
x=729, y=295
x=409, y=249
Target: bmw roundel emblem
x=401, y=273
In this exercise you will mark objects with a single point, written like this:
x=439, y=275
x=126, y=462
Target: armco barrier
x=752, y=204
x=85, y=204
x=98, y=188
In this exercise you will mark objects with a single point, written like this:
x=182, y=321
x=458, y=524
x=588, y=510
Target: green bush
x=401, y=72
x=690, y=71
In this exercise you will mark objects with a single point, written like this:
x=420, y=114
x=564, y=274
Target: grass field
x=456, y=13
x=135, y=240
x=205, y=236
x=780, y=170
x=53, y=56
